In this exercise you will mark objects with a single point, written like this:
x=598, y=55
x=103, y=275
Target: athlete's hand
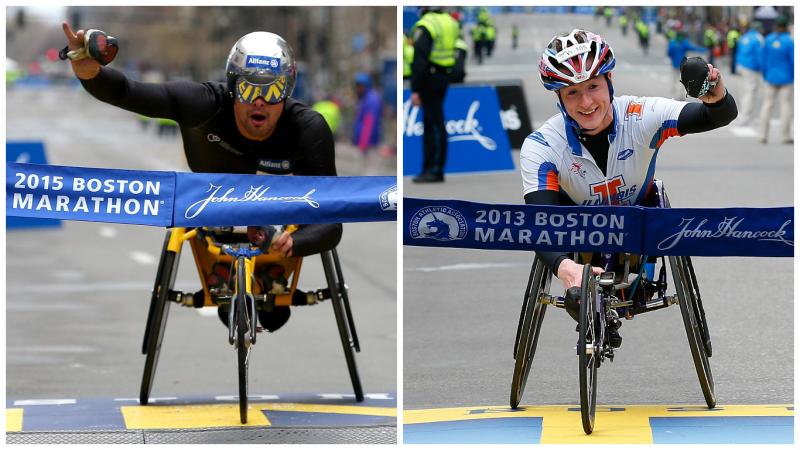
x=415, y=100
x=86, y=68
x=716, y=93
x=283, y=244
x=571, y=273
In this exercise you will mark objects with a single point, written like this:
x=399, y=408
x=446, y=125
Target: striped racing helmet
x=573, y=58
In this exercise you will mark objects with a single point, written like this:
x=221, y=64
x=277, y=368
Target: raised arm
x=186, y=102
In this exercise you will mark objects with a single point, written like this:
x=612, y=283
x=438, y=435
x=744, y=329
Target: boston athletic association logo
x=440, y=223
x=388, y=199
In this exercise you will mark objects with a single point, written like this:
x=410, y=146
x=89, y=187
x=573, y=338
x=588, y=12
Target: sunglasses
x=272, y=93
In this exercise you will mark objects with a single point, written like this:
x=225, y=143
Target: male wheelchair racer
x=627, y=287
x=226, y=264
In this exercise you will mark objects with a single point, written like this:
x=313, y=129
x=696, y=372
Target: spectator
x=367, y=123
x=676, y=51
x=777, y=64
x=748, y=58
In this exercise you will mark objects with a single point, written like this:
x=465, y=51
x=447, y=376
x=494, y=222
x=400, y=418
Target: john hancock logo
x=440, y=223
x=388, y=199
x=254, y=194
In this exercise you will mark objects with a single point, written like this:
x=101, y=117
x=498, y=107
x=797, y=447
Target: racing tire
x=154, y=334
x=530, y=323
x=695, y=325
x=243, y=331
x=589, y=347
x=340, y=311
x=154, y=295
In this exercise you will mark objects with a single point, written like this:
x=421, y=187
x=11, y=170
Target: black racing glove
x=694, y=76
x=96, y=45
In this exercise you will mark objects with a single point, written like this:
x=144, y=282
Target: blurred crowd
x=755, y=44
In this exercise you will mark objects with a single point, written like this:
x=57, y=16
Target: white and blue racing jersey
x=552, y=157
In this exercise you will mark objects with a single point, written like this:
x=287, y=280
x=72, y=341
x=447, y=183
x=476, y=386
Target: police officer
x=478, y=33
x=777, y=68
x=435, y=37
x=408, y=56
x=710, y=41
x=732, y=40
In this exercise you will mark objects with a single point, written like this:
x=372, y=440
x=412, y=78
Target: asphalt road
x=78, y=296
x=461, y=307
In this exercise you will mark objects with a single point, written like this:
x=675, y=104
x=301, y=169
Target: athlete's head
x=577, y=65
x=261, y=73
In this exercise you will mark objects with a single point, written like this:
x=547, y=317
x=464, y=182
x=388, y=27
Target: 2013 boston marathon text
x=549, y=228
x=68, y=198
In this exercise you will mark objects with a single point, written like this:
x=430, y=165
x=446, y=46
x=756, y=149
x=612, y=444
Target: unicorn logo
x=437, y=229
x=440, y=223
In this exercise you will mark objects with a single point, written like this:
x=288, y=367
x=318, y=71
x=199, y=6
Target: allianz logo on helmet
x=263, y=62
x=467, y=129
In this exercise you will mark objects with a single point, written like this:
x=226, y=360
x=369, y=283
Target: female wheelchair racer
x=601, y=150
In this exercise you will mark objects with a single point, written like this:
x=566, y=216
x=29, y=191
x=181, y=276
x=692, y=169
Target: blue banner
x=720, y=232
x=476, y=139
x=97, y=195
x=629, y=229
x=230, y=199
x=28, y=152
x=194, y=199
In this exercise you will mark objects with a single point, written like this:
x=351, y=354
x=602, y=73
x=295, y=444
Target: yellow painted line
x=613, y=423
x=331, y=409
x=13, y=419
x=161, y=417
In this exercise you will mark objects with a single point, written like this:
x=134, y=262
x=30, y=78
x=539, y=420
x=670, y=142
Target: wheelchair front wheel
x=530, y=323
x=695, y=324
x=243, y=331
x=589, y=348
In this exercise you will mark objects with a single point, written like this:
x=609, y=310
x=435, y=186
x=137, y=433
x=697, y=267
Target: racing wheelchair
x=627, y=287
x=227, y=263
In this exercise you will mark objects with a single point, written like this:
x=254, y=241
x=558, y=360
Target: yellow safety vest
x=490, y=33
x=408, y=57
x=444, y=31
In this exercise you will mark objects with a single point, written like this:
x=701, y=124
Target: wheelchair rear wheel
x=695, y=323
x=341, y=310
x=243, y=330
x=530, y=323
x=157, y=319
x=589, y=348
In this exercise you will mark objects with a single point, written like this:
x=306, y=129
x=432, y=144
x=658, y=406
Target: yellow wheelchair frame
x=208, y=252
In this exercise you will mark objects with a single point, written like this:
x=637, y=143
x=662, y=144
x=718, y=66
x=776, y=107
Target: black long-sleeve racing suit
x=301, y=144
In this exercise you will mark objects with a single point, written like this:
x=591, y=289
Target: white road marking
x=465, y=266
x=207, y=312
x=385, y=396
x=336, y=396
x=107, y=232
x=249, y=397
x=744, y=131
x=68, y=275
x=77, y=288
x=142, y=257
x=46, y=402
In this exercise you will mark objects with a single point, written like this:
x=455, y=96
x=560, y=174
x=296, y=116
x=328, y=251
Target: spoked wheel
x=530, y=323
x=695, y=323
x=589, y=348
x=243, y=331
x=157, y=318
x=344, y=320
